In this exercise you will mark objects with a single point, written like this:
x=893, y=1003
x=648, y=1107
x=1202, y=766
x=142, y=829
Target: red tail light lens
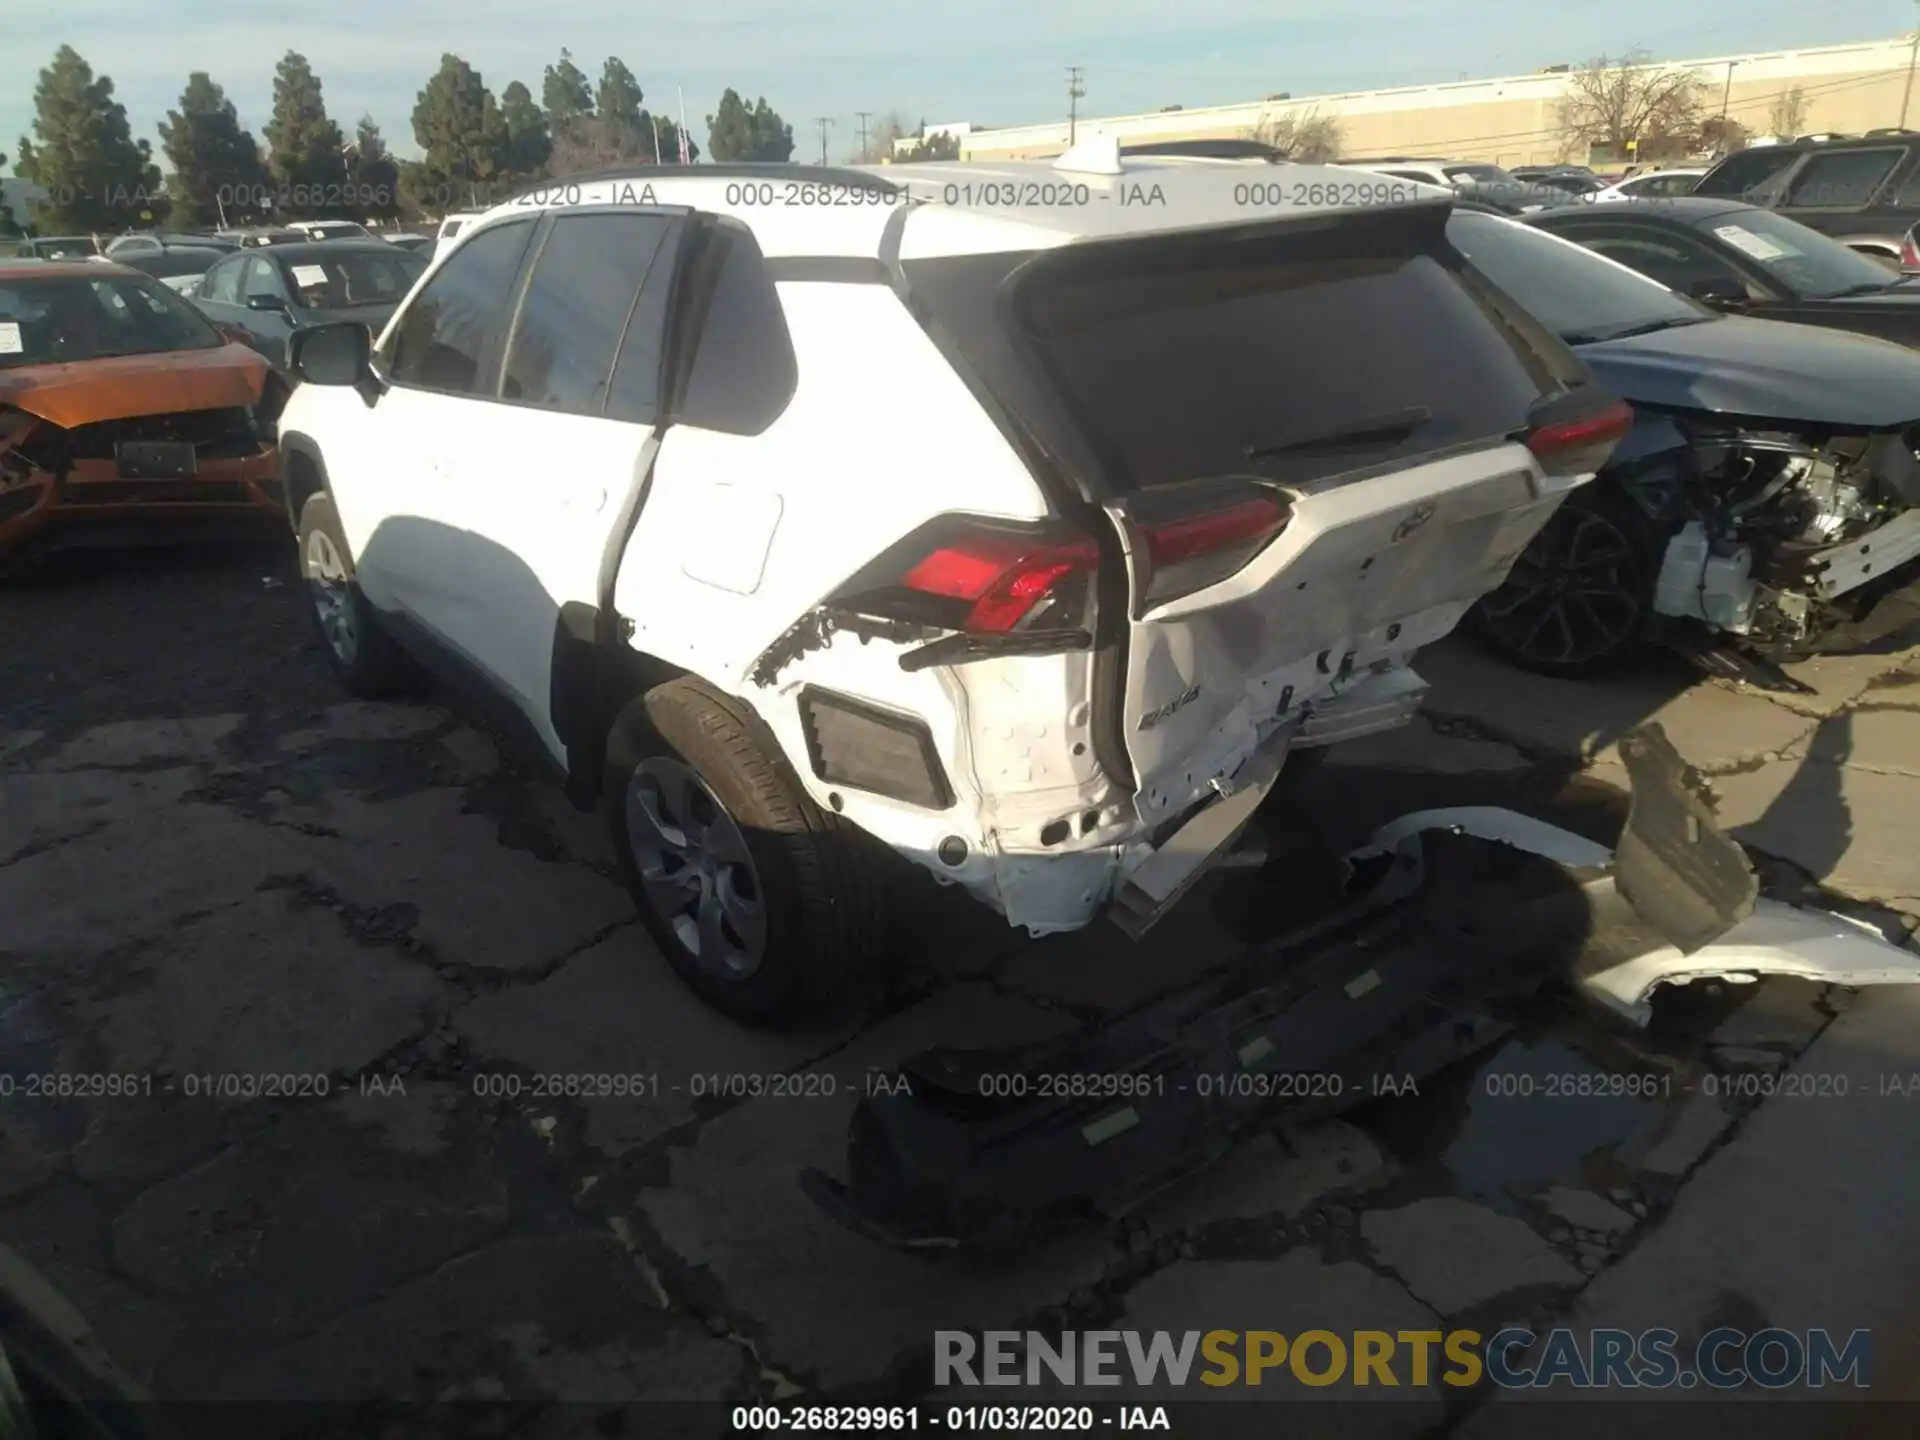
x=982, y=577
x=1909, y=253
x=1581, y=444
x=1196, y=536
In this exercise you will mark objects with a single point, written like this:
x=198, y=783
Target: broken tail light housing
x=1189, y=537
x=980, y=576
x=1575, y=433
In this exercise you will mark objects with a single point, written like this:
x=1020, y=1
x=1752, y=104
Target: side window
x=1675, y=261
x=223, y=282
x=261, y=278
x=1847, y=178
x=1411, y=175
x=1908, y=196
x=1751, y=174
x=744, y=371
x=587, y=282
x=447, y=338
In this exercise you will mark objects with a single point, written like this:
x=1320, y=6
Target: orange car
x=125, y=417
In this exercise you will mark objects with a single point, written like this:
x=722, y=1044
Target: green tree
x=625, y=128
x=218, y=177
x=735, y=133
x=308, y=159
x=8, y=226
x=934, y=147
x=458, y=126
x=376, y=176
x=97, y=176
x=529, y=143
x=566, y=95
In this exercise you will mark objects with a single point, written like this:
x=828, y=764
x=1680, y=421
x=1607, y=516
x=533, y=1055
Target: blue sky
x=990, y=61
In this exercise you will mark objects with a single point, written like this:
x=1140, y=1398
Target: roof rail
x=1222, y=149
x=762, y=170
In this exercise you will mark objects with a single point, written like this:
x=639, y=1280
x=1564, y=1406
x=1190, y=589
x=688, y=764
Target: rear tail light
x=1193, y=536
x=1577, y=444
x=1909, y=253
x=982, y=577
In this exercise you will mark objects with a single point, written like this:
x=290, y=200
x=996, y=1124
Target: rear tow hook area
x=1451, y=920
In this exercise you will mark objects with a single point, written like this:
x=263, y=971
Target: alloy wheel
x=1571, y=597
x=695, y=867
x=329, y=590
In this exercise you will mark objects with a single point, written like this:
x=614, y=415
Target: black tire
x=371, y=666
x=1579, y=600
x=820, y=892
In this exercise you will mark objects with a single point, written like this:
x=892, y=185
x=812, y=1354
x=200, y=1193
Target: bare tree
x=1611, y=102
x=1304, y=135
x=883, y=132
x=1788, y=117
x=1722, y=135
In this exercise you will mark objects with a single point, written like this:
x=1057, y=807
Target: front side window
x=49, y=322
x=1749, y=174
x=1677, y=262
x=262, y=279
x=222, y=284
x=451, y=332
x=1576, y=294
x=585, y=285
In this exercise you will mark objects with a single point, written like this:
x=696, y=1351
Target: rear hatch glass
x=1293, y=354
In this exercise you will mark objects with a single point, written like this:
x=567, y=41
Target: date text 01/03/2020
x=964, y=1419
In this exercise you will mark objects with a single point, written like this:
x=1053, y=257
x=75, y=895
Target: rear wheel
x=765, y=905
x=365, y=658
x=1579, y=599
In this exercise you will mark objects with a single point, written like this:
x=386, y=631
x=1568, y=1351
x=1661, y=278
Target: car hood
x=1764, y=368
x=124, y=386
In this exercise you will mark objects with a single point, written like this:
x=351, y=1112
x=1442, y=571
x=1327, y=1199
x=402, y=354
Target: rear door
x=1312, y=433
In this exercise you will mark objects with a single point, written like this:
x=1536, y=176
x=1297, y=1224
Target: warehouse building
x=1514, y=120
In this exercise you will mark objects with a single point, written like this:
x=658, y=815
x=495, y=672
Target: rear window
x=1294, y=357
x=1478, y=175
x=1745, y=174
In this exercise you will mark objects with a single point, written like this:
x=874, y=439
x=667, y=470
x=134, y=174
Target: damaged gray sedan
x=1763, y=507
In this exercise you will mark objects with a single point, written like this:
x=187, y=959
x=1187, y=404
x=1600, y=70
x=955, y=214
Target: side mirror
x=337, y=354
x=1719, y=292
x=266, y=302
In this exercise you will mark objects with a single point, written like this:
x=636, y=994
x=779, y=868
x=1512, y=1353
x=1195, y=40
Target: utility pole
x=823, y=121
x=1727, y=94
x=1912, y=55
x=1075, y=92
x=864, y=116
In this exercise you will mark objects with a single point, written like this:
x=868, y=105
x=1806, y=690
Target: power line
x=823, y=121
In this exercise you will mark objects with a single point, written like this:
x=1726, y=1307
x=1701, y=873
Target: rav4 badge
x=1413, y=522
x=1154, y=717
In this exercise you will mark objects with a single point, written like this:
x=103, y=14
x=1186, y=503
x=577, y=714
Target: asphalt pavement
x=214, y=867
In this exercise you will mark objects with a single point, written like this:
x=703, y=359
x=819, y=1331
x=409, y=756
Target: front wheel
x=1579, y=599
x=367, y=661
x=767, y=906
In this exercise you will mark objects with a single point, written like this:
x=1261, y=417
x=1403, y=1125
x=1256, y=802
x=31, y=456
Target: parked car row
x=1151, y=503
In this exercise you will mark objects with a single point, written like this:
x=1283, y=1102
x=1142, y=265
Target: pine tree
x=529, y=144
x=735, y=133
x=459, y=126
x=308, y=159
x=376, y=176
x=97, y=176
x=218, y=177
x=567, y=97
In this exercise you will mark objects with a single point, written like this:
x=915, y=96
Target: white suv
x=1019, y=518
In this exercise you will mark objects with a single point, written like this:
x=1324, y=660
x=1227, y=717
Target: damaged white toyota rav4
x=1021, y=519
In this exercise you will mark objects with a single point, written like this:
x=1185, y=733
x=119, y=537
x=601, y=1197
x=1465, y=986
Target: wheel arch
x=304, y=472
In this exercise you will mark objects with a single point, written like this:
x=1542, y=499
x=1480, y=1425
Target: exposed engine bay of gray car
x=1780, y=537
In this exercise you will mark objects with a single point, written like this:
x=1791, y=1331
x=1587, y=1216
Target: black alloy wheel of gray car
x=1579, y=599
x=765, y=904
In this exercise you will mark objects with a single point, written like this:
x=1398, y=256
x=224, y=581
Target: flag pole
x=656, y=142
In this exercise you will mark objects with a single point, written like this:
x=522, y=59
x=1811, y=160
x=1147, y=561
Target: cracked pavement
x=211, y=865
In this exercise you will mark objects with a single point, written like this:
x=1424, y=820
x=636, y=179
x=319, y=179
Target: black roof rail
x=1221, y=149
x=760, y=170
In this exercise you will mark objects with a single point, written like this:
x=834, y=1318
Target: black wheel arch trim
x=295, y=442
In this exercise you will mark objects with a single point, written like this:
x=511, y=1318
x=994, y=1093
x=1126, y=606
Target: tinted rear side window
x=1845, y=177
x=585, y=284
x=1748, y=171
x=744, y=370
x=454, y=323
x=1296, y=357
